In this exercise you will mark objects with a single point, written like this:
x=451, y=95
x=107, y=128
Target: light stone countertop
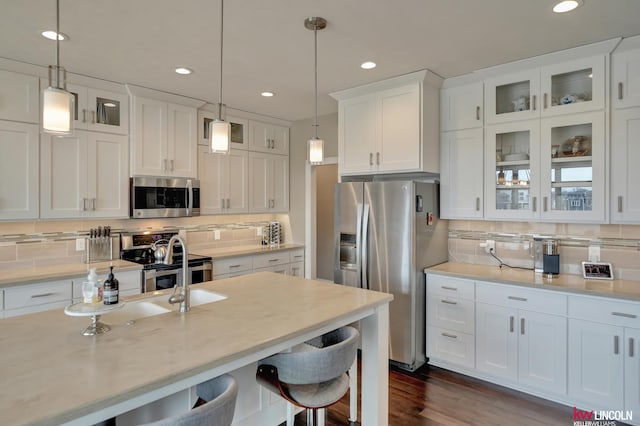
x=52, y=374
x=233, y=251
x=13, y=277
x=619, y=289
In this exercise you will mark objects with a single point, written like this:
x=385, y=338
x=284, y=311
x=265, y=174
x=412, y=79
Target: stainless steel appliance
x=155, y=275
x=164, y=197
x=385, y=234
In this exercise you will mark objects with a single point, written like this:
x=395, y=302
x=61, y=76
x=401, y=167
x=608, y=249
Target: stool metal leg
x=290, y=414
x=353, y=391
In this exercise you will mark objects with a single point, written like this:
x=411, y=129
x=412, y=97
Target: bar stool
x=220, y=396
x=312, y=375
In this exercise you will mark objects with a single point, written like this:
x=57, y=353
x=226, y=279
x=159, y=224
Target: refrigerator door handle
x=364, y=248
x=359, y=209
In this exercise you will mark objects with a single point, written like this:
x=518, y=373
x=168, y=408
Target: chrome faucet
x=183, y=297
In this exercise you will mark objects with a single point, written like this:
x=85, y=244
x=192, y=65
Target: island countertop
x=619, y=289
x=52, y=374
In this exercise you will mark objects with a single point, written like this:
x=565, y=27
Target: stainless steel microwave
x=164, y=197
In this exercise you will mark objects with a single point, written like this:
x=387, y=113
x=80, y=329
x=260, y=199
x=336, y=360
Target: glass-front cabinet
x=564, y=88
x=239, y=130
x=573, y=168
x=512, y=165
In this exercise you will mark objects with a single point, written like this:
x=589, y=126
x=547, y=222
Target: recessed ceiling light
x=51, y=35
x=368, y=65
x=267, y=94
x=183, y=71
x=567, y=5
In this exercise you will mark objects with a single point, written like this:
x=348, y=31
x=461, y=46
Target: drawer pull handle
x=520, y=299
x=631, y=343
x=273, y=260
x=511, y=320
x=449, y=302
x=616, y=345
x=35, y=296
x=298, y=255
x=622, y=314
x=522, y=326
x=234, y=266
x=452, y=336
x=281, y=271
x=444, y=287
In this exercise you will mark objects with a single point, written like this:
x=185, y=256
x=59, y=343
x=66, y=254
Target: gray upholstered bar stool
x=220, y=396
x=313, y=374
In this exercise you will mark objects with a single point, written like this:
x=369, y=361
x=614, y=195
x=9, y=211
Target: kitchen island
x=52, y=374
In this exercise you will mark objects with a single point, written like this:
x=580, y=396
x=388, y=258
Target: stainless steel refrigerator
x=385, y=234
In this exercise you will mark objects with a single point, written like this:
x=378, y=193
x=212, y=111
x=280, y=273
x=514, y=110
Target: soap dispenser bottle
x=97, y=289
x=110, y=293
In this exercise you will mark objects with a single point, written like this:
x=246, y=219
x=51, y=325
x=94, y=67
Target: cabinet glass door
x=512, y=97
x=511, y=187
x=239, y=129
x=573, y=161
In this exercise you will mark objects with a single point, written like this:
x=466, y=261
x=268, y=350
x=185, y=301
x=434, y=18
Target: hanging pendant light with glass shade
x=57, y=102
x=220, y=129
x=316, y=145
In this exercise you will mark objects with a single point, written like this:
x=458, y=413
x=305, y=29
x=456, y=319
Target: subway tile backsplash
x=619, y=244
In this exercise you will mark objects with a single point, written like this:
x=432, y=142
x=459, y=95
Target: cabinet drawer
x=270, y=259
x=449, y=286
x=278, y=269
x=453, y=347
x=230, y=275
x=521, y=298
x=37, y=294
x=232, y=265
x=451, y=313
x=297, y=269
x=296, y=255
x=598, y=309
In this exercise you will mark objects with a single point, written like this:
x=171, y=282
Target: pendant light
x=57, y=102
x=316, y=145
x=220, y=129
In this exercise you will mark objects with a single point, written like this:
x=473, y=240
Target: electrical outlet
x=594, y=253
x=79, y=244
x=490, y=246
x=216, y=234
x=258, y=231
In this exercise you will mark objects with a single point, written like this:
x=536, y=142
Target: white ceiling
x=268, y=48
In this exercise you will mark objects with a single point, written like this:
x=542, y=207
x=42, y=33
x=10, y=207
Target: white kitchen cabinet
x=239, y=129
x=29, y=298
x=573, y=180
x=603, y=352
x=625, y=173
x=450, y=320
x=232, y=266
x=296, y=269
x=19, y=97
x=19, y=170
x=84, y=175
x=164, y=139
x=625, y=76
x=512, y=164
x=269, y=138
x=268, y=183
x=512, y=325
x=461, y=174
x=461, y=107
x=562, y=88
x=389, y=126
x=224, y=181
x=289, y=262
x=98, y=110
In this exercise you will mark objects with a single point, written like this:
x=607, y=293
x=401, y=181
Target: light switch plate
x=594, y=253
x=216, y=234
x=79, y=244
x=258, y=231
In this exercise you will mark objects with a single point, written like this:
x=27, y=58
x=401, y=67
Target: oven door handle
x=152, y=273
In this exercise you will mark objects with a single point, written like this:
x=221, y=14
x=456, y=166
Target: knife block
x=98, y=249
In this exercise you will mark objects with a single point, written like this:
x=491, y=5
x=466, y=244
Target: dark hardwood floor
x=435, y=397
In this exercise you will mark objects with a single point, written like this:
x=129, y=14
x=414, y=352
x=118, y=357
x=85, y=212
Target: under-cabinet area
x=579, y=348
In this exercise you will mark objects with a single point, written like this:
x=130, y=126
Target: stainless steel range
x=141, y=248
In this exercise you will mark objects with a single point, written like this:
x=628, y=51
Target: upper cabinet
x=19, y=97
x=461, y=107
x=268, y=183
x=625, y=76
x=19, y=165
x=390, y=126
x=99, y=110
x=163, y=139
x=224, y=181
x=269, y=138
x=568, y=87
x=239, y=130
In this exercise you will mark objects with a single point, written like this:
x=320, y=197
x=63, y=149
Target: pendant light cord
x=315, y=65
x=221, y=50
x=58, y=43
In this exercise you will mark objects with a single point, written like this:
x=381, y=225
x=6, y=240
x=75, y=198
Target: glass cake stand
x=93, y=310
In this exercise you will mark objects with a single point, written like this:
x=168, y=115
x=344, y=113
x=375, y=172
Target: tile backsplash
x=32, y=244
x=619, y=244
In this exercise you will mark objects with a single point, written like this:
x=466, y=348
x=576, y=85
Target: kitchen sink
x=201, y=297
x=134, y=310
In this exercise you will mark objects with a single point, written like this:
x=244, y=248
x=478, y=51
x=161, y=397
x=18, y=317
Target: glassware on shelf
x=501, y=177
